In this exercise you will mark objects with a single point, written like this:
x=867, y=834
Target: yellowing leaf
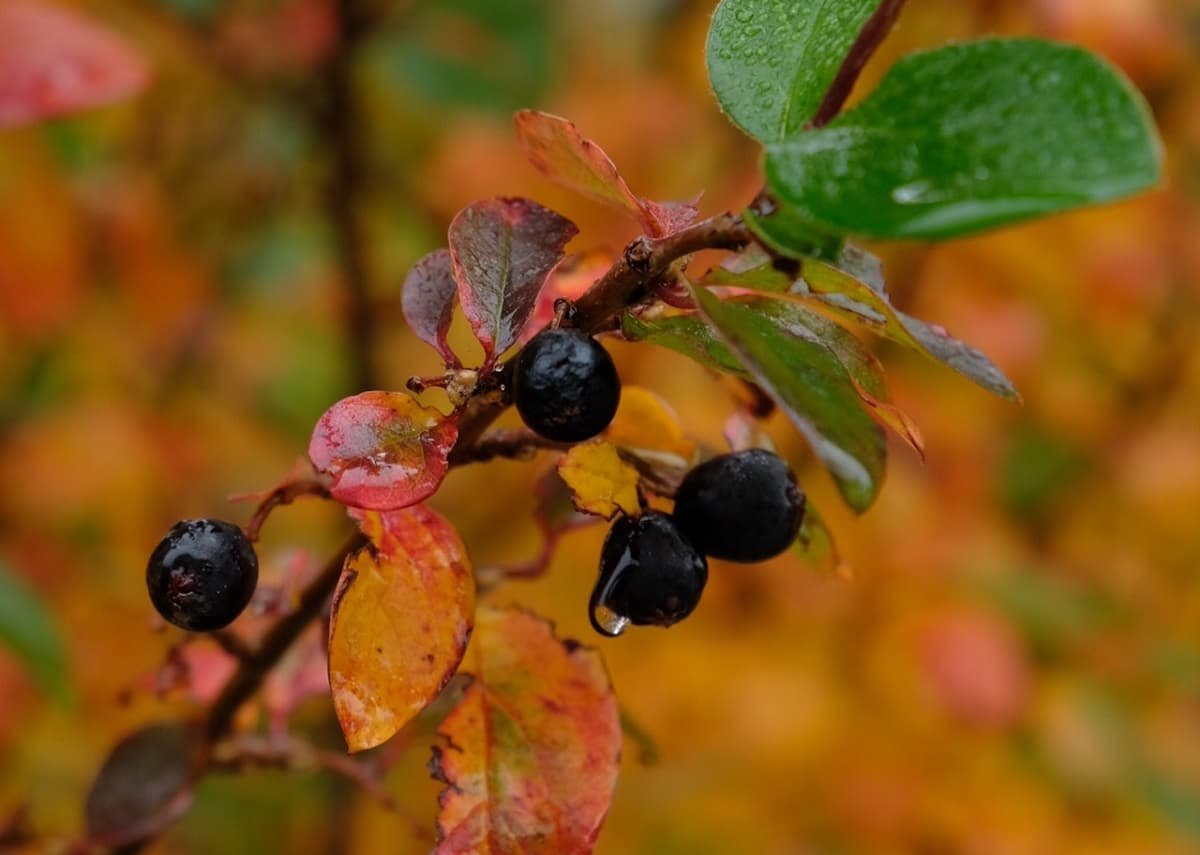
x=531, y=752
x=400, y=622
x=601, y=482
x=645, y=422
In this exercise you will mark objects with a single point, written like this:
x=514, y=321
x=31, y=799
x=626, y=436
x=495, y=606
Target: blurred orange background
x=1014, y=666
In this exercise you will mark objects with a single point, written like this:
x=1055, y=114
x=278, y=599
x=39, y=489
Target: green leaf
x=686, y=334
x=811, y=385
x=27, y=631
x=970, y=137
x=771, y=61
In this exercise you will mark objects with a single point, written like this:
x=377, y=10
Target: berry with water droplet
x=743, y=506
x=565, y=385
x=650, y=574
x=202, y=574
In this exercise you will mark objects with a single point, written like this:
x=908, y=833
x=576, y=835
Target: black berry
x=743, y=506
x=202, y=574
x=650, y=574
x=565, y=385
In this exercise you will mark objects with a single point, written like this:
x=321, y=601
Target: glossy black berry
x=565, y=385
x=743, y=506
x=202, y=574
x=650, y=574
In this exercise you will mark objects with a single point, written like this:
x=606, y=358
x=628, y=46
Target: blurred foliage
x=1015, y=664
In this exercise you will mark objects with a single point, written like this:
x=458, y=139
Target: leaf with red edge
x=574, y=275
x=503, y=250
x=556, y=149
x=428, y=299
x=54, y=61
x=531, y=751
x=383, y=450
x=144, y=786
x=400, y=621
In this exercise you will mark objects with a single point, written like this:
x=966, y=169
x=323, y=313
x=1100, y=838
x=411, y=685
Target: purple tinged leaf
x=428, y=299
x=503, y=250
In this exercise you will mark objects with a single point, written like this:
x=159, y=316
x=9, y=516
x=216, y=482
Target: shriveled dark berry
x=650, y=574
x=743, y=506
x=202, y=574
x=565, y=385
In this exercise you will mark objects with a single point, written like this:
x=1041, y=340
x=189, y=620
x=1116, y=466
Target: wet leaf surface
x=401, y=617
x=531, y=752
x=771, y=61
x=383, y=450
x=970, y=137
x=503, y=250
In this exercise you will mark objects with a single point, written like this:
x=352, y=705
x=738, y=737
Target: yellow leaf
x=401, y=617
x=646, y=423
x=601, y=482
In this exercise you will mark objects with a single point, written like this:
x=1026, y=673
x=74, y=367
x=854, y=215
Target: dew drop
x=605, y=619
x=911, y=194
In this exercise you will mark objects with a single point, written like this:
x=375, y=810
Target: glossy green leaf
x=686, y=334
x=771, y=61
x=970, y=137
x=811, y=385
x=26, y=630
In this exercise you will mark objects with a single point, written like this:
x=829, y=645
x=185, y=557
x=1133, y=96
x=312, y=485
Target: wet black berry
x=649, y=574
x=202, y=574
x=565, y=385
x=743, y=506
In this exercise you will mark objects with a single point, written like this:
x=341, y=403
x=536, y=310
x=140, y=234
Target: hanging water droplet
x=605, y=619
x=607, y=622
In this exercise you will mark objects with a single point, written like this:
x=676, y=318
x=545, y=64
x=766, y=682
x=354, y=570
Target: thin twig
x=254, y=668
x=510, y=443
x=284, y=494
x=869, y=39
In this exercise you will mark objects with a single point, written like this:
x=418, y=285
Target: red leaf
x=556, y=148
x=503, y=249
x=383, y=450
x=428, y=299
x=568, y=281
x=54, y=61
x=531, y=752
x=401, y=617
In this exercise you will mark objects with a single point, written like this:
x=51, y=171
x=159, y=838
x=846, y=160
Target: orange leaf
x=400, y=622
x=531, y=753
x=601, y=482
x=383, y=450
x=890, y=416
x=645, y=423
x=54, y=61
x=556, y=149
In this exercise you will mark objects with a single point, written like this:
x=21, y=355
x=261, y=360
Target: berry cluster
x=743, y=506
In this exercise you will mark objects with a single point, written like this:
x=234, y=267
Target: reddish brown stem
x=869, y=39
x=284, y=494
